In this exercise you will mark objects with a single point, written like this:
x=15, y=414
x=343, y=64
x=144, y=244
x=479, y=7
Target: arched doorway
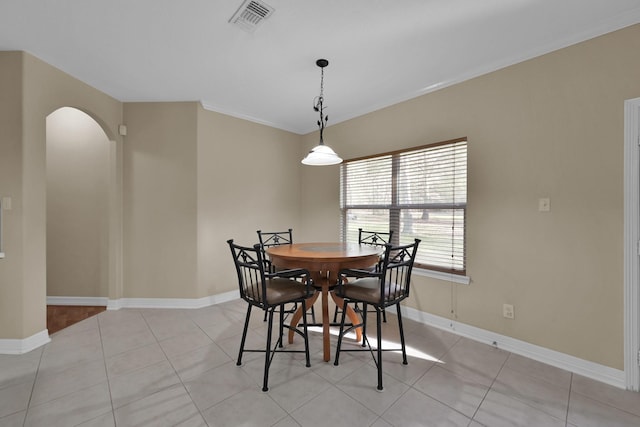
x=78, y=194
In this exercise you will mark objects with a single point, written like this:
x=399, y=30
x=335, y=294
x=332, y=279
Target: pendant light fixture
x=321, y=154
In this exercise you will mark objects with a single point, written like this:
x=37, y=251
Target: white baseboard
x=93, y=301
x=21, y=346
x=595, y=371
x=116, y=304
x=172, y=302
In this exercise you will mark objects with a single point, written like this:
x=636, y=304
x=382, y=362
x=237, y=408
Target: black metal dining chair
x=273, y=238
x=277, y=238
x=378, y=289
x=269, y=292
x=372, y=238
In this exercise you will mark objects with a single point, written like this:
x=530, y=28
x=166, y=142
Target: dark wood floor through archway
x=61, y=316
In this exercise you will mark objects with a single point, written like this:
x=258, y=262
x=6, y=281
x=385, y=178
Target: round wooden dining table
x=324, y=261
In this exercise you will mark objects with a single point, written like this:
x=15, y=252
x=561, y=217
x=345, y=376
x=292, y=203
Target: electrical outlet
x=507, y=311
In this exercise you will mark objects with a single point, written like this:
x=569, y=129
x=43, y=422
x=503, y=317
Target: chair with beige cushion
x=379, y=289
x=270, y=291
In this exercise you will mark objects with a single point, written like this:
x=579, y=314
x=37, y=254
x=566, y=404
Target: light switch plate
x=544, y=205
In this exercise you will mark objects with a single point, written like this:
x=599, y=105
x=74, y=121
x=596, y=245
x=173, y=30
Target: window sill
x=455, y=278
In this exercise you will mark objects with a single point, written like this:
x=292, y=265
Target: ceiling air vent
x=250, y=14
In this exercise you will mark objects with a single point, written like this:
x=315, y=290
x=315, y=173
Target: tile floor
x=160, y=367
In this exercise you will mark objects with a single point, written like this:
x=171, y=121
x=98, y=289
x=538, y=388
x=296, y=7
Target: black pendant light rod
x=321, y=154
x=318, y=105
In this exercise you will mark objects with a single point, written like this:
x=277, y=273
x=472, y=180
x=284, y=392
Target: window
x=418, y=193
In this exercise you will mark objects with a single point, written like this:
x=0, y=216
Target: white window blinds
x=418, y=193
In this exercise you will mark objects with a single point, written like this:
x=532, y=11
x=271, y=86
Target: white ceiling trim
x=381, y=53
x=616, y=23
x=227, y=112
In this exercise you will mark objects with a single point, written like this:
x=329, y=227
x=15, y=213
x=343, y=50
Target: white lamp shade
x=321, y=155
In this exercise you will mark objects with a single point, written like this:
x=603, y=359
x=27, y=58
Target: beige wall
x=77, y=205
x=248, y=179
x=174, y=176
x=33, y=90
x=320, y=198
x=193, y=179
x=12, y=305
x=160, y=200
x=549, y=127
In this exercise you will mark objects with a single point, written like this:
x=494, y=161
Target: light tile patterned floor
x=157, y=367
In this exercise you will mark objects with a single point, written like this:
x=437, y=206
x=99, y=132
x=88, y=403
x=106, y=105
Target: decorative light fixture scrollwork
x=321, y=154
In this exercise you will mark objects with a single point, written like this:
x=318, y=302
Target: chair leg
x=379, y=324
x=363, y=313
x=306, y=334
x=341, y=333
x=404, y=350
x=384, y=315
x=267, y=353
x=281, y=330
x=244, y=334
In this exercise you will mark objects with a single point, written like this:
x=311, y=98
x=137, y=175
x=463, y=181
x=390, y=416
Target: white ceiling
x=380, y=52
